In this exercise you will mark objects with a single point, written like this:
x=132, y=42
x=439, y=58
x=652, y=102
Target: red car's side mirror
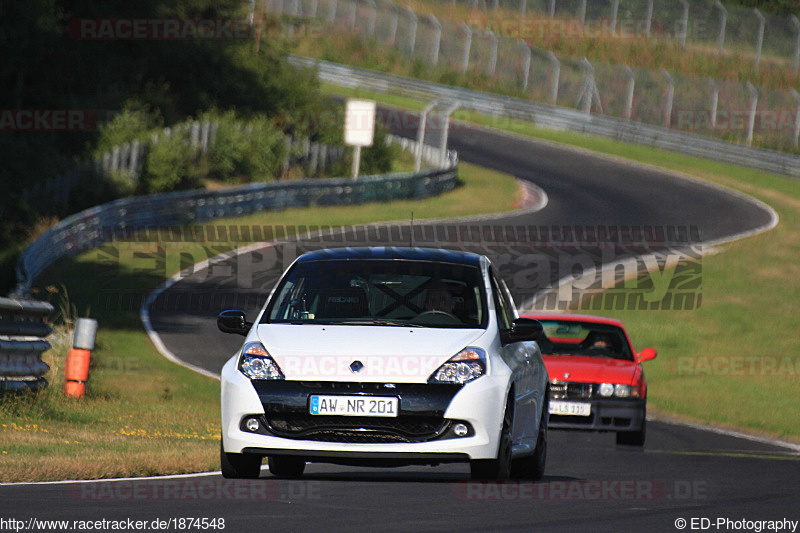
x=647, y=354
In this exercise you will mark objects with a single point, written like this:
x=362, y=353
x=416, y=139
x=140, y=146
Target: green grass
x=142, y=414
x=750, y=298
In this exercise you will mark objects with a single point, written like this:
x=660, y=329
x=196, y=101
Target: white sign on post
x=359, y=127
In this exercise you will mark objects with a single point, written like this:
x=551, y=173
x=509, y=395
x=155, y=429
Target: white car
x=386, y=357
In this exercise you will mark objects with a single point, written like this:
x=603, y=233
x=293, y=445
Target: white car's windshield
x=381, y=292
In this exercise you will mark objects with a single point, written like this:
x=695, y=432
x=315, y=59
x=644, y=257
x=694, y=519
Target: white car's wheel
x=532, y=467
x=499, y=468
x=286, y=465
x=239, y=465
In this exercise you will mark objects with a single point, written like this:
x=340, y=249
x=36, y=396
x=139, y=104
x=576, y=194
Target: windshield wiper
x=379, y=322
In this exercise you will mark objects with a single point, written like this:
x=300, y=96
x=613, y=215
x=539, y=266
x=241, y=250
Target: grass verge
x=750, y=300
x=143, y=415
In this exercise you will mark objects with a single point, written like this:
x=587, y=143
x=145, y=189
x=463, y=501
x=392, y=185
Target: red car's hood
x=585, y=369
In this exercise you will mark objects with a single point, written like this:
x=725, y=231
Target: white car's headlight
x=466, y=365
x=256, y=363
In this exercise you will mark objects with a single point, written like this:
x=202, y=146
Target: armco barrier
x=92, y=227
x=556, y=117
x=22, y=342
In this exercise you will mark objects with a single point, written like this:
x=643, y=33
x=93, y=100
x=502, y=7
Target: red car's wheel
x=633, y=438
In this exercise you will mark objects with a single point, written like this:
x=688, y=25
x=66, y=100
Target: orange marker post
x=76, y=372
x=76, y=369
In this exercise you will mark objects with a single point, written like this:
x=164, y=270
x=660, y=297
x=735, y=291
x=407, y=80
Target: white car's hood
x=388, y=354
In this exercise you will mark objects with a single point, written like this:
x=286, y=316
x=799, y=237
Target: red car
x=596, y=377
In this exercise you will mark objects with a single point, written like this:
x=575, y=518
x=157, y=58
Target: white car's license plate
x=354, y=405
x=570, y=408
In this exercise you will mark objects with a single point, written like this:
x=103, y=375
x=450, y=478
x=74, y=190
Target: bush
x=377, y=159
x=170, y=166
x=244, y=151
x=133, y=123
x=266, y=151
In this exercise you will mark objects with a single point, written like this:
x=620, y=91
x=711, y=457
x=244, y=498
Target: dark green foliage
x=377, y=159
x=244, y=150
x=48, y=66
x=171, y=166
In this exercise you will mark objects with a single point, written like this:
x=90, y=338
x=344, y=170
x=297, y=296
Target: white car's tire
x=286, y=465
x=239, y=465
x=532, y=466
x=499, y=468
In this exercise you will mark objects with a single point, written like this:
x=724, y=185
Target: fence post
x=714, y=101
x=212, y=136
x=614, y=12
x=393, y=25
x=493, y=56
x=467, y=47
x=412, y=35
x=649, y=23
x=437, y=39
x=332, y=13
x=587, y=93
x=312, y=13
x=373, y=17
x=351, y=22
x=556, y=65
x=205, y=136
x=760, y=39
x=723, y=23
x=551, y=8
x=195, y=133
x=526, y=63
x=629, y=96
x=134, y=170
x=670, y=96
x=421, y=129
x=753, y=106
x=582, y=14
x=684, y=23
x=796, y=136
x=796, y=64
x=444, y=134
x=115, y=152
x=313, y=163
x=523, y=6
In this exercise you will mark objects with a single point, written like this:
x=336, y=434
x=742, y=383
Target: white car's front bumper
x=480, y=404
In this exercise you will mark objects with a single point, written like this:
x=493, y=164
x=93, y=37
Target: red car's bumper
x=606, y=415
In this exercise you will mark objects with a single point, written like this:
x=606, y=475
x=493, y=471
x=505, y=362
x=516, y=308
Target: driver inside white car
x=438, y=298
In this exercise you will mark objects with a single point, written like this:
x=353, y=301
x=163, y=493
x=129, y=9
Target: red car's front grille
x=571, y=391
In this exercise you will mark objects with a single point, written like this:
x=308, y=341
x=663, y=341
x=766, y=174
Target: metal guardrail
x=122, y=218
x=556, y=117
x=22, y=341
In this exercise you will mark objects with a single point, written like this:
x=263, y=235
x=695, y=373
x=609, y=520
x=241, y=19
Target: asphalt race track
x=590, y=484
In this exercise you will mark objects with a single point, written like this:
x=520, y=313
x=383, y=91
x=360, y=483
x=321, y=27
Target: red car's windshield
x=567, y=337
